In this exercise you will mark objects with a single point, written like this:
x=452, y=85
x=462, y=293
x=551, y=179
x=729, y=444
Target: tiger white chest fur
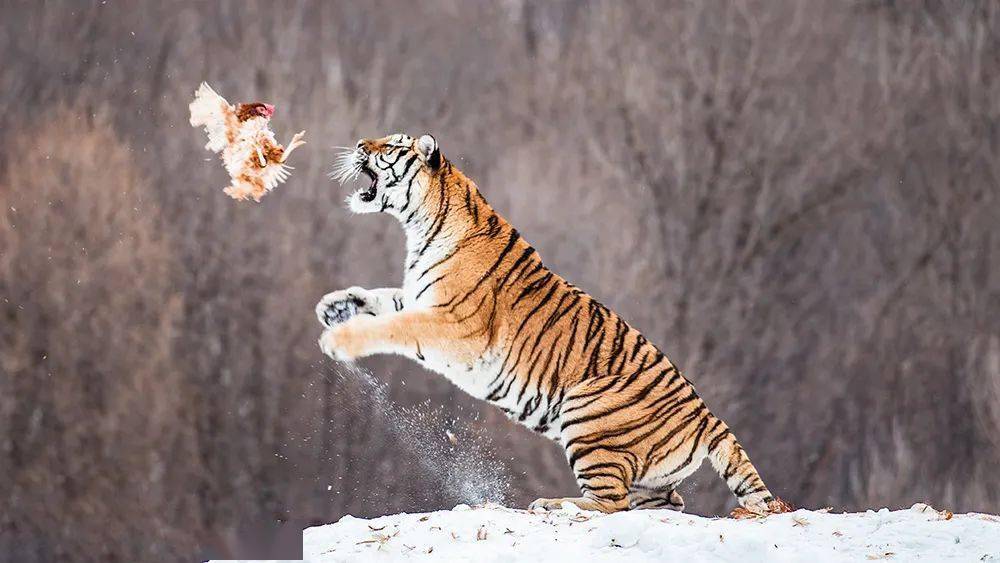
x=483, y=376
x=480, y=377
x=472, y=378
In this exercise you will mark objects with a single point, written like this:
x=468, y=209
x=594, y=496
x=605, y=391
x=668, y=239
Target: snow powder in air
x=453, y=450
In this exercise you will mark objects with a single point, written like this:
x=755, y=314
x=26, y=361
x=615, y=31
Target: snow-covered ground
x=494, y=533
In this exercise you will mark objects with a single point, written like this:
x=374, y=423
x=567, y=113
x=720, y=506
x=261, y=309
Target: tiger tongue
x=369, y=194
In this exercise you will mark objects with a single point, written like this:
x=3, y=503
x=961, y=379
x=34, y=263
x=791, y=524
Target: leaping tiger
x=478, y=306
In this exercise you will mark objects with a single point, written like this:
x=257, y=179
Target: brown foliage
x=795, y=200
x=91, y=402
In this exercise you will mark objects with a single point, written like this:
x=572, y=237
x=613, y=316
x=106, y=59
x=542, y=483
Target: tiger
x=478, y=306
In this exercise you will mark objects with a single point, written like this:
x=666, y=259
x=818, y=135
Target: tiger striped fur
x=478, y=306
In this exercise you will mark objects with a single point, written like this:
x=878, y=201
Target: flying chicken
x=253, y=159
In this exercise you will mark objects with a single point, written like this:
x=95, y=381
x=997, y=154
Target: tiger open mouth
x=369, y=194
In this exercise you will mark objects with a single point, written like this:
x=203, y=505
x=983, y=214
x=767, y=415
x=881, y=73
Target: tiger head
x=398, y=167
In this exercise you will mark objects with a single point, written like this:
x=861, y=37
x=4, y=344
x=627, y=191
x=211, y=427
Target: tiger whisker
x=342, y=175
x=346, y=165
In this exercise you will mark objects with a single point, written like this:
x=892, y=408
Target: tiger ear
x=427, y=146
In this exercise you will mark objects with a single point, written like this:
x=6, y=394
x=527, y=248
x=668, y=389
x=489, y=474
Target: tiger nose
x=369, y=147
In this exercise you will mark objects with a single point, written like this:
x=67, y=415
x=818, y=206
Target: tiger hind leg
x=603, y=477
x=643, y=497
x=604, y=465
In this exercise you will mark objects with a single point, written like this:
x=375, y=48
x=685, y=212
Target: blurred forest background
x=797, y=200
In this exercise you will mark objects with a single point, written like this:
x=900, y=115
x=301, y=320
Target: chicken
x=254, y=160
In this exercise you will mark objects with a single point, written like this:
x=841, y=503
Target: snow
x=493, y=533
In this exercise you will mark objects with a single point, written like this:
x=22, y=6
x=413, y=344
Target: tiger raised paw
x=340, y=306
x=478, y=306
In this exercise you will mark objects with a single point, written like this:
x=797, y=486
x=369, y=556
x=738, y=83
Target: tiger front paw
x=336, y=343
x=340, y=306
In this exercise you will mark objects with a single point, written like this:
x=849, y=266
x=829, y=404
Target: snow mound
x=494, y=533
